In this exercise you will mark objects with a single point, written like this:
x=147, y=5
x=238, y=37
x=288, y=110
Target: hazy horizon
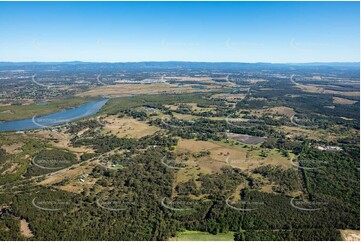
x=185, y=61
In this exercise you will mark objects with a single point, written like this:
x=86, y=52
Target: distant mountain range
x=168, y=65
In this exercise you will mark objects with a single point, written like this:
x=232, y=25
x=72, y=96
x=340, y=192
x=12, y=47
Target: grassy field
x=128, y=127
x=19, y=162
x=28, y=111
x=339, y=100
x=223, y=154
x=203, y=236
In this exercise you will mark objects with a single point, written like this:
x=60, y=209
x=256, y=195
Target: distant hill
x=179, y=65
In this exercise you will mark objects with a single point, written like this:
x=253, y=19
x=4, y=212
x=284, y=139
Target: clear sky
x=186, y=31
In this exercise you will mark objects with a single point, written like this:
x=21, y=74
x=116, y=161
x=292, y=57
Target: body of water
x=54, y=119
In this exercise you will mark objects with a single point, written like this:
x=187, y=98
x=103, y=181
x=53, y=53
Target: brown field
x=70, y=174
x=11, y=169
x=62, y=140
x=318, y=89
x=338, y=100
x=229, y=96
x=286, y=111
x=222, y=154
x=76, y=186
x=185, y=116
x=350, y=235
x=24, y=229
x=289, y=112
x=298, y=131
x=128, y=127
x=319, y=134
x=13, y=148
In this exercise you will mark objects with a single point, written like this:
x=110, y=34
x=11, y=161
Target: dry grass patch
x=339, y=100
x=128, y=127
x=289, y=112
x=318, y=89
x=298, y=131
x=71, y=174
x=350, y=235
x=229, y=96
x=13, y=148
x=77, y=186
x=11, y=169
x=25, y=230
x=62, y=140
x=220, y=155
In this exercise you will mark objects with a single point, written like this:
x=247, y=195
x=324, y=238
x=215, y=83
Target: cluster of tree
x=288, y=180
x=333, y=175
x=76, y=127
x=3, y=155
x=49, y=161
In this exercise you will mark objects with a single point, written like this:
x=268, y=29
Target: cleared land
x=286, y=111
x=319, y=89
x=350, y=235
x=13, y=148
x=229, y=96
x=339, y=100
x=204, y=236
x=222, y=154
x=24, y=229
x=128, y=127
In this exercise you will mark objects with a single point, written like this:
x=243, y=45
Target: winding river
x=54, y=119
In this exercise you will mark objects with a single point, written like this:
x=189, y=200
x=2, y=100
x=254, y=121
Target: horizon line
x=183, y=61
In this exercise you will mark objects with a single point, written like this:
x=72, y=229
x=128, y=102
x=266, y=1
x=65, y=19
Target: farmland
x=192, y=155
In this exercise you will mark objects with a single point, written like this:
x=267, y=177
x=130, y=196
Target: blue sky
x=188, y=31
